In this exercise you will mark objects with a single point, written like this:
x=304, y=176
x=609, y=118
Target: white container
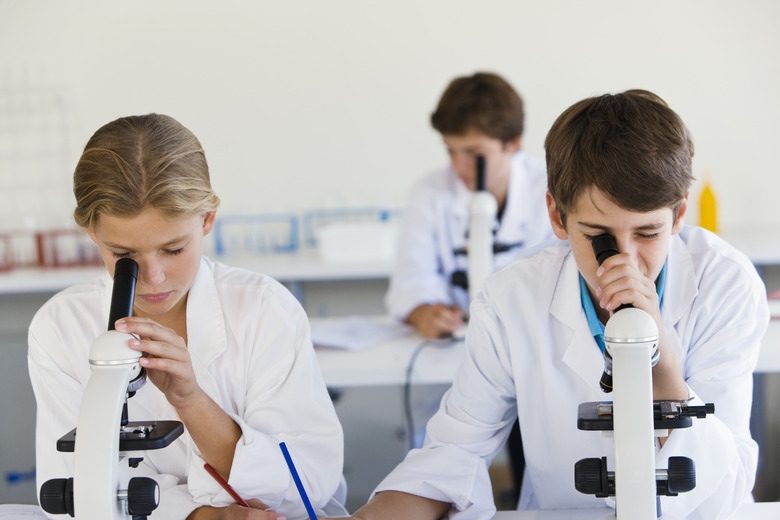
x=357, y=241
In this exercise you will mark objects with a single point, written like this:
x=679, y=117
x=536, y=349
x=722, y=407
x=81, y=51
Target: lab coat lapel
x=514, y=212
x=579, y=351
x=680, y=291
x=206, y=335
x=458, y=213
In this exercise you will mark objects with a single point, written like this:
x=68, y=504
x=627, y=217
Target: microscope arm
x=97, y=469
x=482, y=218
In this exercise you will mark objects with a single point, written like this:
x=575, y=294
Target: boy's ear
x=679, y=222
x=555, y=218
x=513, y=146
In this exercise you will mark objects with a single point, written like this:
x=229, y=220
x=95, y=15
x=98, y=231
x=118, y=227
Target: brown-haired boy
x=482, y=115
x=617, y=164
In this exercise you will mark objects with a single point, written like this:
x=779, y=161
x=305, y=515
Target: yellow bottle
x=708, y=207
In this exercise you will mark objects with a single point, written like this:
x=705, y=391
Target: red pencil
x=225, y=485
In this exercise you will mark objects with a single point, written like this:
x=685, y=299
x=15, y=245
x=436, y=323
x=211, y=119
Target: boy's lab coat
x=436, y=221
x=251, y=351
x=530, y=352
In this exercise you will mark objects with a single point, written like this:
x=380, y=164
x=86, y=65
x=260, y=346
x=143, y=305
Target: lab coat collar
x=512, y=212
x=206, y=336
x=680, y=291
x=462, y=195
x=580, y=351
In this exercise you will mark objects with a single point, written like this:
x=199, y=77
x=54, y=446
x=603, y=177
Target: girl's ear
x=208, y=222
x=555, y=218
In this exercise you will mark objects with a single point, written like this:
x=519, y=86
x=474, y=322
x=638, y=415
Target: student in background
x=477, y=115
x=617, y=164
x=226, y=351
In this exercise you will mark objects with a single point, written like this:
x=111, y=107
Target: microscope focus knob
x=56, y=496
x=681, y=475
x=592, y=478
x=143, y=496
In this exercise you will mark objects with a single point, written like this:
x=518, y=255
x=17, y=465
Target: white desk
x=757, y=511
x=386, y=363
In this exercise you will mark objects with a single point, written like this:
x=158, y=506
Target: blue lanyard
x=596, y=327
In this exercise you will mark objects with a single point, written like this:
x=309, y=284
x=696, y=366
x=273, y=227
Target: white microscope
x=633, y=419
x=480, y=246
x=104, y=439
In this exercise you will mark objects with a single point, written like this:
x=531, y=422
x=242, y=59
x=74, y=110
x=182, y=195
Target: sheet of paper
x=356, y=332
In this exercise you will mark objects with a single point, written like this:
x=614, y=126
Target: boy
x=477, y=115
x=618, y=164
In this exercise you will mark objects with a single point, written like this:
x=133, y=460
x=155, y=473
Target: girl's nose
x=151, y=273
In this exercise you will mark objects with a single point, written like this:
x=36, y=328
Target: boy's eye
x=173, y=252
x=120, y=255
x=589, y=237
x=650, y=236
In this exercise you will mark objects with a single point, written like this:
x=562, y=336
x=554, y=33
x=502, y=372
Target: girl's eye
x=120, y=255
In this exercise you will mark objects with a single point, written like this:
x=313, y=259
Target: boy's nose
x=627, y=245
x=465, y=166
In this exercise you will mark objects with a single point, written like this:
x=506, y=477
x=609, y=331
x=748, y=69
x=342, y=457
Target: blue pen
x=298, y=482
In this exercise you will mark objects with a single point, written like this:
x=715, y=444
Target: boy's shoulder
x=528, y=163
x=706, y=248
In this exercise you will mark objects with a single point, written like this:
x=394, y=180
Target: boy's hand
x=621, y=282
x=434, y=321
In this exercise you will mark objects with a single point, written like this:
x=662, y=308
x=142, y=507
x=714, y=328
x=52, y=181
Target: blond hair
x=137, y=162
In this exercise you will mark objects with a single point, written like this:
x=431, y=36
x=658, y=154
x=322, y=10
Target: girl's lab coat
x=436, y=221
x=530, y=353
x=251, y=351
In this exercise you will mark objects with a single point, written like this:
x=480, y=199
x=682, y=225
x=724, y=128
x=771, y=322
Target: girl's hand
x=165, y=358
x=257, y=510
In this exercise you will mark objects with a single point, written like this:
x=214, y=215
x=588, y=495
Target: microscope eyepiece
x=123, y=294
x=604, y=246
x=481, y=184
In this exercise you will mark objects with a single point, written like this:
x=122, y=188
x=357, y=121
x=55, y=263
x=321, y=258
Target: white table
x=757, y=511
x=387, y=362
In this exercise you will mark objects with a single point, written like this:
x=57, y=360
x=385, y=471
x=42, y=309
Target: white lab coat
x=435, y=222
x=251, y=352
x=530, y=352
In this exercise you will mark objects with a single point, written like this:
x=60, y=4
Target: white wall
x=309, y=103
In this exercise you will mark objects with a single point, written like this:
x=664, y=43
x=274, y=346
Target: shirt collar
x=596, y=327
